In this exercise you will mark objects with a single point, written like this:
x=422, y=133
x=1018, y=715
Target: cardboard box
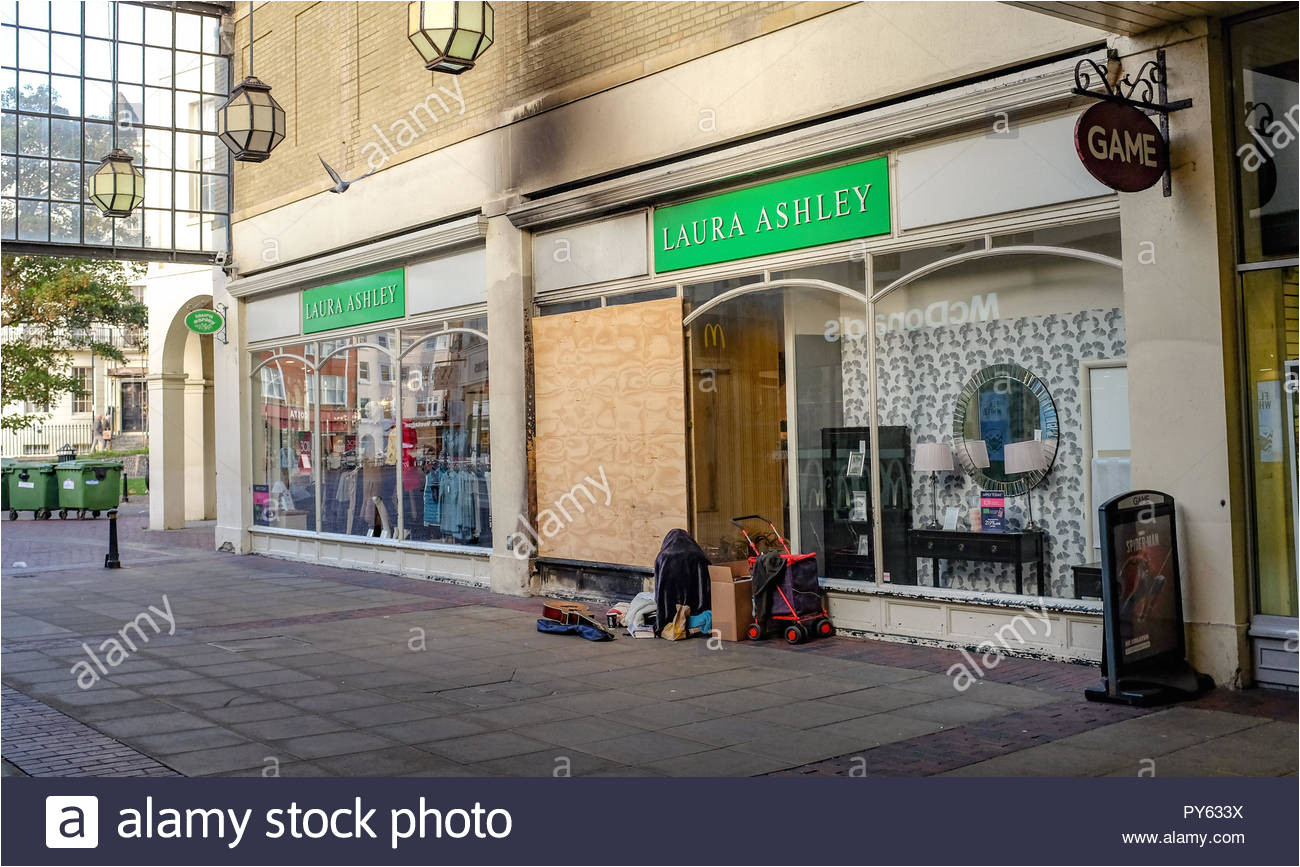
x=733, y=605
x=739, y=568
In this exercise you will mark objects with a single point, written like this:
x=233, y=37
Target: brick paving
x=42, y=742
x=312, y=670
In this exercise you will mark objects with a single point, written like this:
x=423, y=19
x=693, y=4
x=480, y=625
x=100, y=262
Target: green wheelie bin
x=6, y=467
x=89, y=486
x=32, y=488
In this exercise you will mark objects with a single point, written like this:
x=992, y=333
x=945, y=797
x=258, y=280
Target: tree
x=50, y=308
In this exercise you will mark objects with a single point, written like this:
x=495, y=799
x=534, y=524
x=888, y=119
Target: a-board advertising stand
x=1144, y=652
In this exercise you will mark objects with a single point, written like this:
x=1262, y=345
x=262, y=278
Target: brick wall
x=356, y=91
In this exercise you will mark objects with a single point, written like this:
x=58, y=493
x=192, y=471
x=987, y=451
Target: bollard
x=126, y=493
x=111, y=560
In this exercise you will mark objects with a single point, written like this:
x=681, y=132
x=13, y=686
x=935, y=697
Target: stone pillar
x=231, y=404
x=510, y=288
x=166, y=451
x=200, y=462
x=1179, y=291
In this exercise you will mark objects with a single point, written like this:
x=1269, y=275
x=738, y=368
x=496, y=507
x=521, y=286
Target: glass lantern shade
x=450, y=36
x=251, y=123
x=116, y=187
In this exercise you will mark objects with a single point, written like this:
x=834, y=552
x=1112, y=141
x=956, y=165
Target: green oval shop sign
x=204, y=321
x=805, y=211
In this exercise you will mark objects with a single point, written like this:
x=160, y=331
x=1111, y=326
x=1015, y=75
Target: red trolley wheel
x=825, y=628
x=795, y=633
x=753, y=633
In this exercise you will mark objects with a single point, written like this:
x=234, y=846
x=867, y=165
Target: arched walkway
x=182, y=425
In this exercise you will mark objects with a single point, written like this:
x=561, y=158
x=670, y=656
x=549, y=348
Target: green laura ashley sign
x=372, y=298
x=819, y=208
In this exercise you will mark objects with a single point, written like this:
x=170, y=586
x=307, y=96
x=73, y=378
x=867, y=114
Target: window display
x=446, y=471
x=284, y=492
x=400, y=457
x=360, y=442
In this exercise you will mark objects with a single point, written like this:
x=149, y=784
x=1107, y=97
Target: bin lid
x=41, y=466
x=71, y=466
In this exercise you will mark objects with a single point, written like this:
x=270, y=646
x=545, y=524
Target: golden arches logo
x=713, y=334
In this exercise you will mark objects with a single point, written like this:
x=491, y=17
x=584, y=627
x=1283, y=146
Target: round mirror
x=1005, y=430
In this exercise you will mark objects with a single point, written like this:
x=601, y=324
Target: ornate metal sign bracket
x=1147, y=90
x=225, y=322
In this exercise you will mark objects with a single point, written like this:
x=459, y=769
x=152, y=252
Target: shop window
x=363, y=372
x=767, y=397
x=446, y=438
x=639, y=297
x=360, y=444
x=284, y=490
x=1096, y=237
x=1266, y=115
x=985, y=362
x=567, y=307
x=1272, y=329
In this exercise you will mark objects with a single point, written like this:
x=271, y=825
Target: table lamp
x=931, y=458
x=1025, y=458
x=978, y=452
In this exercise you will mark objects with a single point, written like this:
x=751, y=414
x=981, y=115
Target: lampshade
x=250, y=123
x=116, y=187
x=450, y=36
x=1024, y=457
x=978, y=452
x=931, y=457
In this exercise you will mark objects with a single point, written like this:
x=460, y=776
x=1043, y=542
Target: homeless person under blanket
x=681, y=577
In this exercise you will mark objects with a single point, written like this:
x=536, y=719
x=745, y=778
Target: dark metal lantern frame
x=1147, y=91
x=251, y=123
x=446, y=46
x=117, y=186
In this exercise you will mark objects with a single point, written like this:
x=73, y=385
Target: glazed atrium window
x=66, y=71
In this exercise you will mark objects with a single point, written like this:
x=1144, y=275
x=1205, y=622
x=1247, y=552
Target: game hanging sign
x=1121, y=147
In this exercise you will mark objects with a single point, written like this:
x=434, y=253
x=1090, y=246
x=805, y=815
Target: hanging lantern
x=450, y=36
x=251, y=123
x=116, y=187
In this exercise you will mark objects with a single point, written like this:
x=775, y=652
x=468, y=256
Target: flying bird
x=340, y=185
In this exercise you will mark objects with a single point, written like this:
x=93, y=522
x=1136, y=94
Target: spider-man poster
x=1144, y=570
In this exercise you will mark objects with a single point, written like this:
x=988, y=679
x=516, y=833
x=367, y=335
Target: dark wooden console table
x=1016, y=548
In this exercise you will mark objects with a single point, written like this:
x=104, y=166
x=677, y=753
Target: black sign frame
x=1148, y=90
x=1163, y=676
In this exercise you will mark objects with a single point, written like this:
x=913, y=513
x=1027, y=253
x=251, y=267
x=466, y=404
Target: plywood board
x=610, y=427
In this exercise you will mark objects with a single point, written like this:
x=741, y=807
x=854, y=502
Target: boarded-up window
x=611, y=432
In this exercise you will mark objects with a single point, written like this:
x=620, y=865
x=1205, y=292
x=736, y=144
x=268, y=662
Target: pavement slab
x=296, y=669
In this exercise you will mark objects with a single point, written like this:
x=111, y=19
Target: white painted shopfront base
x=375, y=555
x=954, y=618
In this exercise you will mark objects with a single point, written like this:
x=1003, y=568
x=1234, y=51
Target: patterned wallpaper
x=921, y=373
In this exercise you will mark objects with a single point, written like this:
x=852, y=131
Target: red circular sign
x=1120, y=146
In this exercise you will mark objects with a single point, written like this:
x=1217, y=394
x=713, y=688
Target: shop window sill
x=464, y=550
x=962, y=597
